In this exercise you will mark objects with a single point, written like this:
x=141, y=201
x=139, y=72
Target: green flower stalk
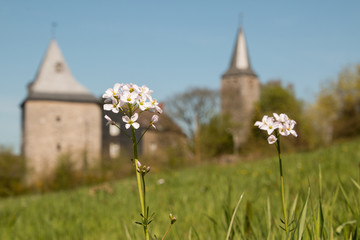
x=284, y=126
x=131, y=101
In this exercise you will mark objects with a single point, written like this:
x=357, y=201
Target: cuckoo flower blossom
x=281, y=124
x=154, y=119
x=131, y=121
x=272, y=139
x=109, y=120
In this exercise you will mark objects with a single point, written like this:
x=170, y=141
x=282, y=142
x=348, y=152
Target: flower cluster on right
x=283, y=124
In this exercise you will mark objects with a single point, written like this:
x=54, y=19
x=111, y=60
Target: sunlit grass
x=203, y=198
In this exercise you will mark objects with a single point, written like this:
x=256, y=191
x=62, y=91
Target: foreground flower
x=109, y=120
x=282, y=125
x=131, y=121
x=113, y=106
x=154, y=119
x=268, y=124
x=112, y=92
x=272, y=139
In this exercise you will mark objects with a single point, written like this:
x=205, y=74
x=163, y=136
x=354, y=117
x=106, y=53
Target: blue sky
x=172, y=46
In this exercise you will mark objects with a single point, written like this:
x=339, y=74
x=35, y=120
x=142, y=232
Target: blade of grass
x=233, y=217
x=268, y=219
x=293, y=208
x=321, y=219
x=356, y=184
x=127, y=232
x=346, y=198
x=303, y=216
x=341, y=227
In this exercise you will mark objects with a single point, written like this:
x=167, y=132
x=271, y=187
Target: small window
x=153, y=147
x=58, y=119
x=58, y=147
x=113, y=130
x=59, y=67
x=114, y=150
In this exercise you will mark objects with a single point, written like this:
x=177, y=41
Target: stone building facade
x=240, y=89
x=154, y=143
x=60, y=117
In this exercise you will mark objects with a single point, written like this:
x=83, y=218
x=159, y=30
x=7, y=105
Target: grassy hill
x=202, y=198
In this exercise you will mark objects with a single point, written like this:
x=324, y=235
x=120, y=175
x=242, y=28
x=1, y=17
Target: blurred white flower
x=281, y=118
x=131, y=121
x=113, y=106
x=154, y=119
x=155, y=105
x=272, y=139
x=282, y=124
x=109, y=120
x=129, y=97
x=161, y=181
x=290, y=127
x=112, y=92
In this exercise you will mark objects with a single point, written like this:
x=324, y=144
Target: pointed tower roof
x=54, y=80
x=240, y=61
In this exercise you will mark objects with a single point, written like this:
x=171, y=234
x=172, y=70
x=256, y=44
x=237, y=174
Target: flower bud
x=172, y=219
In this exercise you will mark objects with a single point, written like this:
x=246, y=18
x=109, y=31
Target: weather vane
x=53, y=29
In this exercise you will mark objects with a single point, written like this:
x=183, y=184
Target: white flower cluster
x=283, y=124
x=129, y=99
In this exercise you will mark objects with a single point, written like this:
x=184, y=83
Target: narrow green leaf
x=303, y=216
x=233, y=217
x=293, y=208
x=321, y=219
x=355, y=183
x=127, y=232
x=268, y=219
x=346, y=199
x=341, y=227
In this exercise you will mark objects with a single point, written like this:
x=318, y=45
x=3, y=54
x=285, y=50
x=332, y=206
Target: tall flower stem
x=282, y=185
x=141, y=186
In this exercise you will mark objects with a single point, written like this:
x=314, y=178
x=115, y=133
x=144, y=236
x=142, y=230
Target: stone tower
x=59, y=117
x=240, y=89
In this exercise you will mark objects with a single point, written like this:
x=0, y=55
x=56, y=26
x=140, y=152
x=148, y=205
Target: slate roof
x=54, y=80
x=240, y=61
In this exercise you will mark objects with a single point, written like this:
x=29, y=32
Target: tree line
x=334, y=115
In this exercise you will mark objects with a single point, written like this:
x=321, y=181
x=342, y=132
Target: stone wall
x=238, y=94
x=55, y=128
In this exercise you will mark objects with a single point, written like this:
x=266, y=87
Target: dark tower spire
x=240, y=61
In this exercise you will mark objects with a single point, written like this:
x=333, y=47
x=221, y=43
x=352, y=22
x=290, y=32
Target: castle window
x=59, y=67
x=153, y=147
x=58, y=147
x=58, y=119
x=114, y=150
x=113, y=130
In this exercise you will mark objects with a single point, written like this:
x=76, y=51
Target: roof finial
x=53, y=29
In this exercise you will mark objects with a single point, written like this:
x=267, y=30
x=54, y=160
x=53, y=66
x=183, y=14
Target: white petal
x=155, y=118
x=127, y=126
x=116, y=87
x=108, y=107
x=125, y=119
x=272, y=139
x=134, y=117
x=136, y=125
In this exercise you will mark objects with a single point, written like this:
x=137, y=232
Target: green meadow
x=203, y=199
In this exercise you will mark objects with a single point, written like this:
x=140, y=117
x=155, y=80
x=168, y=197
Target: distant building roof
x=240, y=61
x=54, y=80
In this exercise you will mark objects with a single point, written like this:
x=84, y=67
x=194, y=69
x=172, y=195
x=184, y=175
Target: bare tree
x=192, y=108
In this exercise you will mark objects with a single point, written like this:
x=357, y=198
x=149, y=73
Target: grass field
x=203, y=198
